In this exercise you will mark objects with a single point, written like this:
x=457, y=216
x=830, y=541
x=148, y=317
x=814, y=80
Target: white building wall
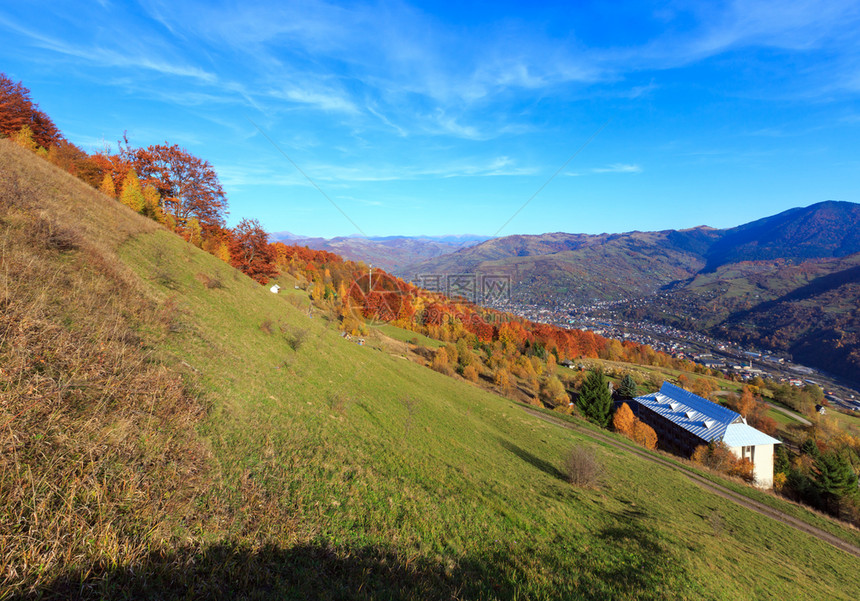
x=762, y=464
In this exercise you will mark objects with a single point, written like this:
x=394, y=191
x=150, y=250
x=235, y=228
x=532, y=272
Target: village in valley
x=730, y=358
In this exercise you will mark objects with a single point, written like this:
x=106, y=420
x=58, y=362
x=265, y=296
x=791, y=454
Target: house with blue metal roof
x=683, y=421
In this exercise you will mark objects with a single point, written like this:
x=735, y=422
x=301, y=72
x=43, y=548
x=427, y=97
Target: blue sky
x=441, y=118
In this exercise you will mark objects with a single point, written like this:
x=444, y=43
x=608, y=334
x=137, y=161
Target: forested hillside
x=171, y=428
x=140, y=462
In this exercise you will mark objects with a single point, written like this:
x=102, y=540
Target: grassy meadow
x=284, y=461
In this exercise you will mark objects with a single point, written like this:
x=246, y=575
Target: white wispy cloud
x=618, y=168
x=242, y=175
x=325, y=100
x=109, y=57
x=400, y=131
x=410, y=68
x=613, y=168
x=496, y=167
x=449, y=125
x=797, y=25
x=362, y=201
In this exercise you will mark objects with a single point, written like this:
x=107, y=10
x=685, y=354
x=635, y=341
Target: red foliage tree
x=18, y=110
x=188, y=186
x=72, y=159
x=112, y=164
x=303, y=253
x=250, y=252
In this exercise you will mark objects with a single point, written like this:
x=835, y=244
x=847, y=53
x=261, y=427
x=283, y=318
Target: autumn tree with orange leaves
x=624, y=422
x=644, y=434
x=623, y=419
x=718, y=456
x=250, y=252
x=188, y=186
x=17, y=111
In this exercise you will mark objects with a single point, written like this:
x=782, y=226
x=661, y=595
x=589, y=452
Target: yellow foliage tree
x=24, y=139
x=702, y=387
x=554, y=393
x=223, y=252
x=470, y=373
x=132, y=193
x=779, y=480
x=502, y=378
x=440, y=362
x=107, y=186
x=152, y=202
x=614, y=350
x=623, y=420
x=317, y=290
x=170, y=223
x=644, y=435
x=195, y=232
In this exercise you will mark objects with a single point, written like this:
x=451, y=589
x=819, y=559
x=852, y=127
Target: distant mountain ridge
x=580, y=266
x=787, y=282
x=825, y=229
x=392, y=253
x=643, y=262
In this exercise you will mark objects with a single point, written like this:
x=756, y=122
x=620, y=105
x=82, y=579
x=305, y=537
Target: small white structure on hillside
x=684, y=421
x=274, y=289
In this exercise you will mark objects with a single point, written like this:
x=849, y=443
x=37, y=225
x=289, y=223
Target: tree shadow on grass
x=533, y=460
x=642, y=566
x=227, y=571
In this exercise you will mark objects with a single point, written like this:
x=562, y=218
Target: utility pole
x=370, y=278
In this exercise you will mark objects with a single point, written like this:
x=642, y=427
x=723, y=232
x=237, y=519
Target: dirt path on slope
x=789, y=413
x=713, y=487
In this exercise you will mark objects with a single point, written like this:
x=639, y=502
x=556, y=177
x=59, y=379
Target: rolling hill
x=615, y=266
x=818, y=323
x=825, y=229
x=784, y=282
x=172, y=429
x=581, y=267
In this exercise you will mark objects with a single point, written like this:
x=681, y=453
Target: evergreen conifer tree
x=781, y=462
x=810, y=448
x=595, y=400
x=627, y=387
x=834, y=479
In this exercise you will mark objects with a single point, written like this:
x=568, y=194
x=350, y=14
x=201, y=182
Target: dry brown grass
x=99, y=460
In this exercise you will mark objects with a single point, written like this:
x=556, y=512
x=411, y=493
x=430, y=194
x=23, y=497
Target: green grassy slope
x=338, y=471
x=367, y=452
